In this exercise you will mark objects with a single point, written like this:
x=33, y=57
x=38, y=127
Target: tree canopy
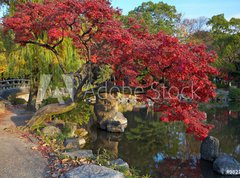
x=226, y=34
x=157, y=17
x=156, y=62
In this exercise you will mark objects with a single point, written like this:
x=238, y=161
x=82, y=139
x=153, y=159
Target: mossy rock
x=47, y=112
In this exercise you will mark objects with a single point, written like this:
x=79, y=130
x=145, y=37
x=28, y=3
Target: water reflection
x=165, y=150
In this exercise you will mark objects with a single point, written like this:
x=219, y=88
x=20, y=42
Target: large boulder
x=108, y=117
x=117, y=124
x=226, y=165
x=210, y=149
x=92, y=171
x=51, y=131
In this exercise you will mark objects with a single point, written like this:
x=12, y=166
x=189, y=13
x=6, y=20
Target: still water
x=165, y=150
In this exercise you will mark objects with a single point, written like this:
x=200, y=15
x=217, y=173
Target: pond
x=164, y=149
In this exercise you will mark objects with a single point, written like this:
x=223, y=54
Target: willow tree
x=31, y=62
x=152, y=63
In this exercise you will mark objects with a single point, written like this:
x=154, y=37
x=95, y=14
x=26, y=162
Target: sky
x=190, y=8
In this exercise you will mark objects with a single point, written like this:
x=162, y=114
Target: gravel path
x=17, y=158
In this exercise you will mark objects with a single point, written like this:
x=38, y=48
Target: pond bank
x=25, y=155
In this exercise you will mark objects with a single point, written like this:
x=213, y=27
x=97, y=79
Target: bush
x=51, y=100
x=80, y=115
x=16, y=101
x=234, y=94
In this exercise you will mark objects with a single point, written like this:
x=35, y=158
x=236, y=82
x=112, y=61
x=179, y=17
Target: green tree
x=156, y=17
x=226, y=34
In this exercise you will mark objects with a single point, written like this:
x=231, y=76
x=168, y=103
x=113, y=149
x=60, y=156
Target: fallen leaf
x=34, y=148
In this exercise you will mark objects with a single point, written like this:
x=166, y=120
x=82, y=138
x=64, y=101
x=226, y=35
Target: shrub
x=16, y=101
x=79, y=115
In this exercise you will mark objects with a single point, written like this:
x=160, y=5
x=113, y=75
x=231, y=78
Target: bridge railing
x=14, y=83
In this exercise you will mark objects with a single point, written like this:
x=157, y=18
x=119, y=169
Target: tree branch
x=47, y=46
x=60, y=41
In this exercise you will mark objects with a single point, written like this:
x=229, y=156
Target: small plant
x=104, y=157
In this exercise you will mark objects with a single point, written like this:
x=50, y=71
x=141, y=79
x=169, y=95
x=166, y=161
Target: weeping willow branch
x=51, y=48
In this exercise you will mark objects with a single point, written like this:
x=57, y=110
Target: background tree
x=226, y=36
x=156, y=17
x=192, y=27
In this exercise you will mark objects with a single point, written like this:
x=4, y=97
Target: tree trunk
x=32, y=96
x=48, y=111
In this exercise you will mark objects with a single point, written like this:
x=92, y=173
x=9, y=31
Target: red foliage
x=173, y=67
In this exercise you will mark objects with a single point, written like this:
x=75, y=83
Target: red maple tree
x=159, y=64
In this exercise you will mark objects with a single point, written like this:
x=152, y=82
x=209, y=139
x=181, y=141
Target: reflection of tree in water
x=179, y=168
x=163, y=149
x=102, y=140
x=227, y=127
x=155, y=135
x=149, y=142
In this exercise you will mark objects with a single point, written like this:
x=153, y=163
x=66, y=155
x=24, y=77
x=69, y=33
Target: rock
x=81, y=142
x=81, y=132
x=80, y=154
x=71, y=143
x=108, y=117
x=226, y=165
x=92, y=171
x=74, y=143
x=209, y=149
x=120, y=164
x=237, y=150
x=51, y=131
x=117, y=124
